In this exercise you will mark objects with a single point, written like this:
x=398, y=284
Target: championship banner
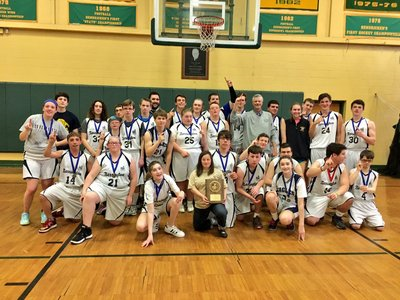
x=24, y=10
x=374, y=5
x=290, y=4
x=383, y=27
x=289, y=24
x=102, y=15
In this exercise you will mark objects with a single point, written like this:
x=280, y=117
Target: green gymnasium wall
x=20, y=100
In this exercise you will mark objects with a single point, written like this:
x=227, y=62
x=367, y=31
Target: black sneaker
x=257, y=223
x=338, y=222
x=273, y=224
x=290, y=227
x=84, y=233
x=222, y=233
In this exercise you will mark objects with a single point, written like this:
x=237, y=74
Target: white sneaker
x=190, y=207
x=173, y=230
x=182, y=208
x=156, y=224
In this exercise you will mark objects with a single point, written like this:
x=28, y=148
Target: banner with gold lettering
x=24, y=10
x=102, y=14
x=373, y=26
x=290, y=4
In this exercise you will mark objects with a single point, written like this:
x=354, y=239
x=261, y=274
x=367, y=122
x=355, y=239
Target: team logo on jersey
x=302, y=128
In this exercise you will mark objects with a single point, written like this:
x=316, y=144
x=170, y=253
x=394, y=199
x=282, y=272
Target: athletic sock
x=256, y=215
x=274, y=216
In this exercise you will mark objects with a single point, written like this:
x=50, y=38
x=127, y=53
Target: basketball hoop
x=208, y=30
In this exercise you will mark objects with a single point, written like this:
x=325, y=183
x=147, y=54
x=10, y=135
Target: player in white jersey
x=113, y=179
x=325, y=127
x=286, y=199
x=175, y=115
x=131, y=138
x=145, y=116
x=274, y=167
x=364, y=181
x=157, y=142
x=197, y=111
x=73, y=170
x=211, y=127
x=92, y=127
x=213, y=98
x=35, y=133
x=236, y=126
x=261, y=141
x=357, y=134
x=186, y=138
x=114, y=127
x=278, y=122
x=249, y=186
x=329, y=186
x=157, y=200
x=226, y=161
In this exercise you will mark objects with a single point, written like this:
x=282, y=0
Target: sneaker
x=48, y=225
x=58, y=213
x=101, y=209
x=173, y=230
x=273, y=225
x=84, y=233
x=290, y=227
x=338, y=222
x=24, y=219
x=131, y=211
x=156, y=223
x=222, y=233
x=43, y=217
x=182, y=208
x=190, y=207
x=257, y=223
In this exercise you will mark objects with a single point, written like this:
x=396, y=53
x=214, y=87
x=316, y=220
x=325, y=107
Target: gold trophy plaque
x=215, y=190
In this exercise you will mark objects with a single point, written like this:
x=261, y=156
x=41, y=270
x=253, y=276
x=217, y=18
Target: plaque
x=215, y=190
x=194, y=63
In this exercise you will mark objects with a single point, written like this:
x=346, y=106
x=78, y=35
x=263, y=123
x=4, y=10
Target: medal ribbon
x=74, y=167
x=363, y=176
x=45, y=127
x=290, y=185
x=224, y=165
x=331, y=174
x=114, y=168
x=158, y=188
x=327, y=119
x=358, y=124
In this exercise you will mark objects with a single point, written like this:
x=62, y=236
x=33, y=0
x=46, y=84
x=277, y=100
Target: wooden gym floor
x=249, y=264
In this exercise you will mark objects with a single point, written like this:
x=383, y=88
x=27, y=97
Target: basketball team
x=159, y=162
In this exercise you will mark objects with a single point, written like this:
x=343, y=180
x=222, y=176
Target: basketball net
x=208, y=30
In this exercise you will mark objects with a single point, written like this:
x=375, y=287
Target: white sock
x=274, y=216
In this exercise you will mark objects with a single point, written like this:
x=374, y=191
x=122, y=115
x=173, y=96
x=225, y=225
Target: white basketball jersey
x=73, y=169
x=328, y=181
x=367, y=180
x=251, y=179
x=212, y=133
x=158, y=193
x=162, y=147
x=289, y=190
x=199, y=120
x=146, y=123
x=131, y=135
x=93, y=130
x=227, y=165
x=114, y=174
x=277, y=167
x=352, y=141
x=325, y=131
x=187, y=137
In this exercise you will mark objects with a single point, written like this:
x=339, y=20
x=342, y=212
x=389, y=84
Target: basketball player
x=186, y=138
x=261, y=141
x=157, y=142
x=73, y=170
x=329, y=186
x=175, y=115
x=213, y=98
x=113, y=179
x=286, y=199
x=325, y=127
x=364, y=181
x=279, y=122
x=157, y=200
x=211, y=127
x=145, y=116
x=226, y=161
x=35, y=133
x=197, y=111
x=357, y=134
x=249, y=186
x=114, y=126
x=306, y=108
x=131, y=138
